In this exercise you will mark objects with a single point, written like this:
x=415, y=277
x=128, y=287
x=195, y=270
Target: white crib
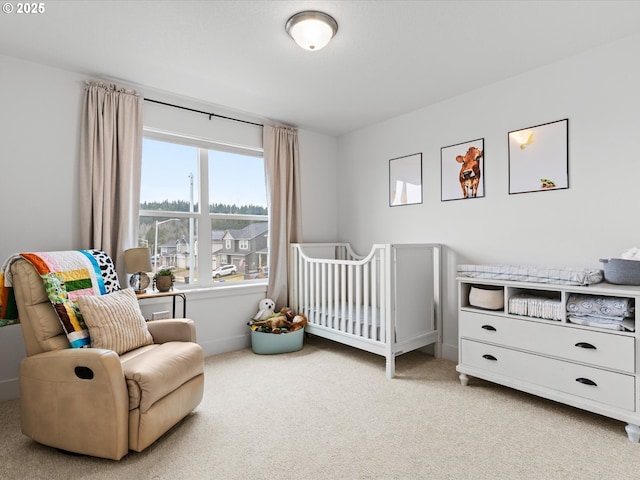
x=387, y=302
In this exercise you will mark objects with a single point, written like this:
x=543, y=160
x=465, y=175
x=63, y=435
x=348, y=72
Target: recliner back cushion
x=41, y=326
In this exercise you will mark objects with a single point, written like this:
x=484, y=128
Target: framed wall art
x=405, y=180
x=539, y=158
x=462, y=170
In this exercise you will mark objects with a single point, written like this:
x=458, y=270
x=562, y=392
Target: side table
x=172, y=293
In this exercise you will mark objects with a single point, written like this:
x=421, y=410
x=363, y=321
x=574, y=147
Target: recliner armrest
x=172, y=330
x=66, y=393
x=71, y=364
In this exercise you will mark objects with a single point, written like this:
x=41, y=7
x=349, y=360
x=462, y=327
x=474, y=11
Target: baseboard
x=9, y=389
x=226, y=344
x=450, y=352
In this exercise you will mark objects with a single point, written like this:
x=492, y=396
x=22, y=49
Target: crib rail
x=340, y=290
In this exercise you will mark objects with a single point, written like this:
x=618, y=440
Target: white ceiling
x=388, y=58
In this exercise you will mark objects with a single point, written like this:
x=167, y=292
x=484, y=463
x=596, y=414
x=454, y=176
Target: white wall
x=39, y=129
x=319, y=196
x=595, y=218
x=39, y=120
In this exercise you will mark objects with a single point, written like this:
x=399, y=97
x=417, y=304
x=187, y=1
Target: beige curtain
x=282, y=165
x=110, y=169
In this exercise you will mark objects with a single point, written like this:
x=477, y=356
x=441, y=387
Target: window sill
x=224, y=291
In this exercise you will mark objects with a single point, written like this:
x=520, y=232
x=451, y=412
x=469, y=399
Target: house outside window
x=181, y=175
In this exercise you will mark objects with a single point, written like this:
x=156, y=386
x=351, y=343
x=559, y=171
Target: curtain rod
x=202, y=112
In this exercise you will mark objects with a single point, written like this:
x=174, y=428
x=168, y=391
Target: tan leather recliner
x=92, y=401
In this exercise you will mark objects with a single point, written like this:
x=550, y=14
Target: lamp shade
x=311, y=30
x=137, y=260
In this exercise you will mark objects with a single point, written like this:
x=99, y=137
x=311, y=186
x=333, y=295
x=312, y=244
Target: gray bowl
x=622, y=271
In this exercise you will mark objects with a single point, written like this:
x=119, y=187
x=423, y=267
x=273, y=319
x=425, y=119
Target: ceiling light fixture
x=311, y=30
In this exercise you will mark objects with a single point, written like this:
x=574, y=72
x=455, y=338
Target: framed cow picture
x=539, y=158
x=462, y=170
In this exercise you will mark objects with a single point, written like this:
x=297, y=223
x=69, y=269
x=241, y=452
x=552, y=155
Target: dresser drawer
x=601, y=349
x=610, y=388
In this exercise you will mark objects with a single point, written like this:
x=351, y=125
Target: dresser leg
x=464, y=380
x=633, y=431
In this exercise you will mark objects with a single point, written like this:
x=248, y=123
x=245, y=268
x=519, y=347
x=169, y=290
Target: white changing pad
x=534, y=274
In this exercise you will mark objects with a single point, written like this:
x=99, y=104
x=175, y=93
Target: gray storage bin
x=264, y=343
x=621, y=271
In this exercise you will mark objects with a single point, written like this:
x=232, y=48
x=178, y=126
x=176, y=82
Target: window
x=179, y=177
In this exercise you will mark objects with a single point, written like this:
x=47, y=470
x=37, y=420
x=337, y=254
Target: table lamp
x=137, y=261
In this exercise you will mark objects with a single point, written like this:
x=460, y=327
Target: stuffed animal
x=276, y=323
x=269, y=322
x=298, y=322
x=265, y=309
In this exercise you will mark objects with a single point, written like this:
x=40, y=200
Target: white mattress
x=534, y=274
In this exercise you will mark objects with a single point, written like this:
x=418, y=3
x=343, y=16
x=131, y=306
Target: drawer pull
x=490, y=357
x=489, y=327
x=585, y=345
x=586, y=381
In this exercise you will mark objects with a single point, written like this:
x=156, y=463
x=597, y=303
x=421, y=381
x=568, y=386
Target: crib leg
x=391, y=366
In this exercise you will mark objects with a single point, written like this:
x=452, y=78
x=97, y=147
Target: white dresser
x=592, y=368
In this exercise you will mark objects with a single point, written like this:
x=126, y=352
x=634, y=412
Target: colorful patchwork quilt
x=66, y=276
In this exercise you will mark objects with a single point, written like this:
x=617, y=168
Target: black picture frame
x=405, y=180
x=462, y=170
x=539, y=158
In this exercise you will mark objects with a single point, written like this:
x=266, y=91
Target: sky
x=233, y=179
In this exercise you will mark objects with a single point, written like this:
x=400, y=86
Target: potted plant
x=163, y=280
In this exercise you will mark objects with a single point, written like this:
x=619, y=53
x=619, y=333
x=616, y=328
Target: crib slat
x=358, y=314
x=375, y=335
x=325, y=294
x=336, y=297
x=309, y=293
x=365, y=305
x=315, y=292
x=327, y=300
x=318, y=292
x=383, y=297
x=305, y=290
x=350, y=299
x=343, y=293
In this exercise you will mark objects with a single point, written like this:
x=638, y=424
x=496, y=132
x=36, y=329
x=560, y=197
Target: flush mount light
x=311, y=30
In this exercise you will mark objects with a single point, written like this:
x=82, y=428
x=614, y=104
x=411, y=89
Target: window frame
x=202, y=217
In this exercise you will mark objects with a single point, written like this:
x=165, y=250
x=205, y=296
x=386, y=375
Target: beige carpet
x=328, y=412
